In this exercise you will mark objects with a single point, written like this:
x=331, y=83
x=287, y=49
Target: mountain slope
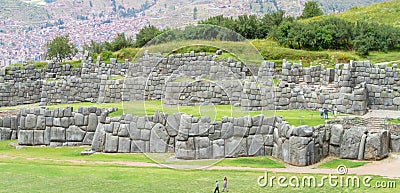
x=160, y=12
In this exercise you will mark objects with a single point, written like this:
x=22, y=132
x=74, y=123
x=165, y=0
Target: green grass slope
x=384, y=13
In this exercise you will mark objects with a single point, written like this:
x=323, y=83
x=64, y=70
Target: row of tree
x=335, y=33
x=327, y=33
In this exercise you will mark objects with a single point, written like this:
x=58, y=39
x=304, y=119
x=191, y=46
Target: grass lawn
x=140, y=108
x=34, y=177
x=394, y=121
x=19, y=107
x=294, y=117
x=254, y=162
x=348, y=163
x=42, y=176
x=32, y=170
x=73, y=153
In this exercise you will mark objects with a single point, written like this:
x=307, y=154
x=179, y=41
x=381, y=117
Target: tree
x=121, y=41
x=60, y=48
x=311, y=9
x=146, y=34
x=93, y=47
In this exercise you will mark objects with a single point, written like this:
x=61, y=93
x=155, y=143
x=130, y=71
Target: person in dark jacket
x=326, y=113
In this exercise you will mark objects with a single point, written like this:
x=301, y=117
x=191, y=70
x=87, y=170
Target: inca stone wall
x=8, y=128
x=19, y=86
x=200, y=137
x=192, y=78
x=59, y=127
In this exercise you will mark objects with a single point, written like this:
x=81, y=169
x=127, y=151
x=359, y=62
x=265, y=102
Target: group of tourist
x=224, y=188
x=323, y=112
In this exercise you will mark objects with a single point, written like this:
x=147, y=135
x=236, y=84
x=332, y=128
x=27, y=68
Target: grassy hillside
x=385, y=13
x=265, y=49
x=164, y=13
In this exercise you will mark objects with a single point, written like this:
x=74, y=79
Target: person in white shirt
x=334, y=111
x=216, y=187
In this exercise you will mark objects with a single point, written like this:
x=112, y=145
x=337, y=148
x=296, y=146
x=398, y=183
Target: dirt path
x=386, y=63
x=382, y=114
x=388, y=167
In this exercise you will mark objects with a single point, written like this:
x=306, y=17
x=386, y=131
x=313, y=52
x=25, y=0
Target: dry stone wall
x=200, y=137
x=191, y=78
x=59, y=127
x=8, y=128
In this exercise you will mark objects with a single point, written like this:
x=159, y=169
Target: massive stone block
x=99, y=138
x=145, y=134
x=336, y=134
x=265, y=129
x=134, y=132
x=41, y=123
x=239, y=131
x=57, y=122
x=351, y=142
x=377, y=145
x=277, y=148
x=236, y=147
x=111, y=143
x=194, y=130
x=395, y=143
x=88, y=139
x=227, y=130
x=138, y=146
x=173, y=122
x=218, y=149
x=396, y=101
x=255, y=145
x=185, y=149
x=74, y=133
x=30, y=121
x=5, y=134
x=7, y=122
x=203, y=148
x=21, y=122
x=123, y=130
x=159, y=139
x=57, y=134
x=25, y=137
x=79, y=119
x=304, y=131
x=204, y=126
x=301, y=151
x=49, y=121
x=286, y=150
x=92, y=122
x=38, y=137
x=46, y=136
x=124, y=145
x=65, y=122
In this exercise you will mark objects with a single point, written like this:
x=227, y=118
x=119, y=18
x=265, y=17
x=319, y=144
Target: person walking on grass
x=216, y=187
x=334, y=111
x=321, y=113
x=225, y=185
x=326, y=113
